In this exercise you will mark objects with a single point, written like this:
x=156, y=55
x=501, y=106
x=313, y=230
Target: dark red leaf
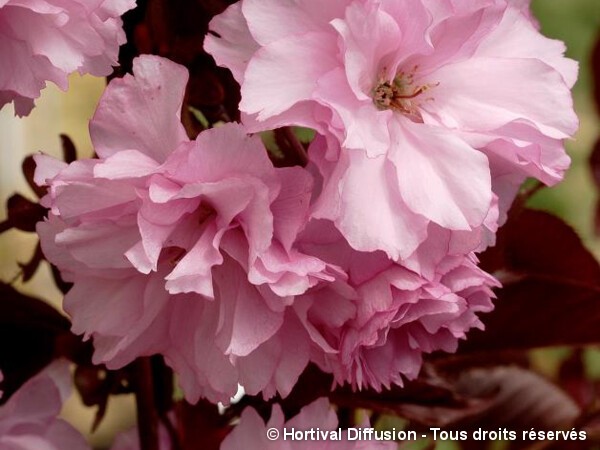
x=595, y=163
x=23, y=214
x=518, y=399
x=61, y=284
x=574, y=380
x=201, y=425
x=590, y=423
x=29, y=331
x=551, y=288
x=205, y=89
x=96, y=384
x=536, y=243
x=595, y=168
x=28, y=168
x=452, y=364
x=142, y=38
x=215, y=7
x=176, y=29
x=312, y=384
x=31, y=266
x=94, y=389
x=68, y=149
x=430, y=401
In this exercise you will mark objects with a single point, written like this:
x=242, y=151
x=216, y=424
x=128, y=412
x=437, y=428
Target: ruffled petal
x=142, y=112
x=426, y=161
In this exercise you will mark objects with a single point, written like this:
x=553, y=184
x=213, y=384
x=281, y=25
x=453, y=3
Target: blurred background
x=576, y=22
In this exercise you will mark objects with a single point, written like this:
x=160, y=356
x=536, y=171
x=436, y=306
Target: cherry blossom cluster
x=206, y=253
x=46, y=40
x=429, y=115
x=432, y=112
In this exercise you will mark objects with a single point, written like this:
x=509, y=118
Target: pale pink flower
x=187, y=244
x=29, y=419
x=352, y=195
x=400, y=315
x=247, y=336
x=434, y=110
x=46, y=40
x=251, y=431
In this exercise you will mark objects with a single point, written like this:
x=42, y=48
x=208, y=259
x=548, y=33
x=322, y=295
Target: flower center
x=401, y=94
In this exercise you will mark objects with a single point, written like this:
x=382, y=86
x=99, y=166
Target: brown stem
x=147, y=414
x=345, y=417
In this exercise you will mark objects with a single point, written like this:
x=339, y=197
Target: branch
x=147, y=414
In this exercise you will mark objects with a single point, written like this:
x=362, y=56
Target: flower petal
x=142, y=112
x=483, y=94
x=427, y=162
x=289, y=82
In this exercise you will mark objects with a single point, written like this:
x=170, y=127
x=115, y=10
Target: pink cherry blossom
x=400, y=314
x=46, y=40
x=200, y=251
x=251, y=432
x=29, y=419
x=434, y=111
x=188, y=244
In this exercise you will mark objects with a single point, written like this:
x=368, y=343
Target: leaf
x=93, y=383
x=23, y=214
x=68, y=149
x=430, y=400
x=590, y=423
x=28, y=168
x=30, y=267
x=201, y=425
x=312, y=384
x=96, y=384
x=574, y=380
x=551, y=288
x=29, y=334
x=518, y=399
x=61, y=284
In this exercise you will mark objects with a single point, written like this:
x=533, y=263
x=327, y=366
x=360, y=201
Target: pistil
x=400, y=95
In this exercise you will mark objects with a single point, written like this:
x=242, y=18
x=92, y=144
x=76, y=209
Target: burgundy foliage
x=550, y=297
